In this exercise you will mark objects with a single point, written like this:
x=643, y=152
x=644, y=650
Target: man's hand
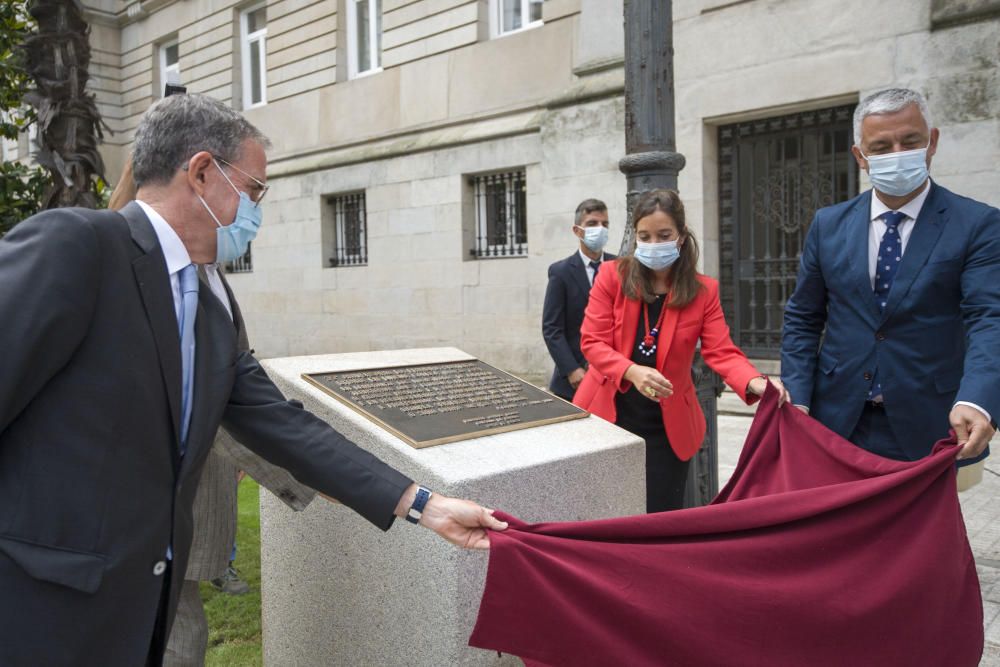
x=461, y=522
x=759, y=384
x=575, y=378
x=973, y=430
x=649, y=381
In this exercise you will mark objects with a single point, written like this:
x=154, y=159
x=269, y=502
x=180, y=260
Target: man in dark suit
x=566, y=297
x=118, y=370
x=891, y=335
x=215, y=511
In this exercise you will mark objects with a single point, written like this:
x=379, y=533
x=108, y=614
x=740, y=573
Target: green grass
x=234, y=621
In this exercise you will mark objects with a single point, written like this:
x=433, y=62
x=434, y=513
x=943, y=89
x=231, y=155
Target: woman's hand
x=759, y=384
x=649, y=382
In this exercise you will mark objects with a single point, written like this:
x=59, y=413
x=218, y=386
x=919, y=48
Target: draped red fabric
x=816, y=553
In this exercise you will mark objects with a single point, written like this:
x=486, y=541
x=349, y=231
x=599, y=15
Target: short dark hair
x=588, y=206
x=177, y=127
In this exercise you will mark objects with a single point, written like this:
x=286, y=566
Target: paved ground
x=980, y=505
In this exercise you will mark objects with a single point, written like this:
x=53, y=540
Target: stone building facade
x=428, y=154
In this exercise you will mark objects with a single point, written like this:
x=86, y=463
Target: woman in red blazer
x=644, y=318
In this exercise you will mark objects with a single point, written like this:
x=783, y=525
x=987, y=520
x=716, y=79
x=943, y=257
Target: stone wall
x=452, y=102
x=759, y=58
x=420, y=287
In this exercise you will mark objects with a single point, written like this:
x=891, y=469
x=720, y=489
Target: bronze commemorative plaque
x=432, y=404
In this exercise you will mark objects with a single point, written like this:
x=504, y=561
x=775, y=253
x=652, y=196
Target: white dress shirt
x=877, y=228
x=586, y=265
x=177, y=258
x=173, y=251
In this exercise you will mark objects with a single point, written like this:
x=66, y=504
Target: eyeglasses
x=263, y=186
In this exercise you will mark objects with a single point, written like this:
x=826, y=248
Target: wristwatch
x=419, y=502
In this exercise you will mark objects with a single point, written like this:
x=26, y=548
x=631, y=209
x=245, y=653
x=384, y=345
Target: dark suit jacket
x=92, y=488
x=562, y=314
x=936, y=341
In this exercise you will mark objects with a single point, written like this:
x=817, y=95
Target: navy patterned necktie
x=890, y=254
x=595, y=266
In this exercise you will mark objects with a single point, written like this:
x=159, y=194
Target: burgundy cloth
x=816, y=553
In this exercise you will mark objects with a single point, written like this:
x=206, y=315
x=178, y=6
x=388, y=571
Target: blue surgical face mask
x=595, y=238
x=232, y=240
x=898, y=174
x=657, y=256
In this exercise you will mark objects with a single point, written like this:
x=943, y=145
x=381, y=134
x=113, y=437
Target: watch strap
x=416, y=510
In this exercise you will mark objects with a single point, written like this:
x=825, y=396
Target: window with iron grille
x=243, y=264
x=501, y=214
x=347, y=233
x=774, y=173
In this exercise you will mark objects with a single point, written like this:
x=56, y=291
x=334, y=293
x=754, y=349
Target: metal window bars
x=501, y=215
x=350, y=230
x=242, y=264
x=773, y=175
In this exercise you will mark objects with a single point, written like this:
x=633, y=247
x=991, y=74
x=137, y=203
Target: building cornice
x=604, y=81
x=406, y=143
x=133, y=11
x=508, y=123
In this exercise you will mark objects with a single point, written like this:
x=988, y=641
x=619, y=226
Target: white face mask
x=898, y=174
x=657, y=256
x=595, y=238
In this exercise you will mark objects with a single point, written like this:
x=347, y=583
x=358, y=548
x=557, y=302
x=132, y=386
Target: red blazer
x=607, y=339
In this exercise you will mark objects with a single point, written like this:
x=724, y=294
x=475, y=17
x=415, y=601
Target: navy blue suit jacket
x=565, y=300
x=936, y=342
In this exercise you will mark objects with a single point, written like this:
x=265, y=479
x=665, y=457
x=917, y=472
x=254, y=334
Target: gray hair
x=177, y=127
x=888, y=101
x=589, y=206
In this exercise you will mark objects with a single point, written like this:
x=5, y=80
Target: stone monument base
x=338, y=591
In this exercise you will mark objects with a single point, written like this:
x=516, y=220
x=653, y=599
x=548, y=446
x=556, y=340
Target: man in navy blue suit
x=567, y=293
x=893, y=332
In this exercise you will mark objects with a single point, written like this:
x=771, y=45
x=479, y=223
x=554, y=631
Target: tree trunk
x=69, y=124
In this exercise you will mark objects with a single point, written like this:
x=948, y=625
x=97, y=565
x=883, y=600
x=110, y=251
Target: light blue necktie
x=890, y=254
x=189, y=310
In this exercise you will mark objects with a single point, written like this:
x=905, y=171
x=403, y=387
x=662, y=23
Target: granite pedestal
x=338, y=591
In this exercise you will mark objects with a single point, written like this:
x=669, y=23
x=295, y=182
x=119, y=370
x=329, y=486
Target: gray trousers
x=189, y=636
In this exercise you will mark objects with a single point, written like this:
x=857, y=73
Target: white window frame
x=246, y=39
x=5, y=143
x=375, y=53
x=496, y=19
x=166, y=69
x=33, y=146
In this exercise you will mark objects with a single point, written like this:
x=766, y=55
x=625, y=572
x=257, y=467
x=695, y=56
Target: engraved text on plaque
x=431, y=404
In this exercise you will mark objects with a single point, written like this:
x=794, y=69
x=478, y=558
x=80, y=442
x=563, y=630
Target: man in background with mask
x=566, y=296
x=119, y=367
x=891, y=336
